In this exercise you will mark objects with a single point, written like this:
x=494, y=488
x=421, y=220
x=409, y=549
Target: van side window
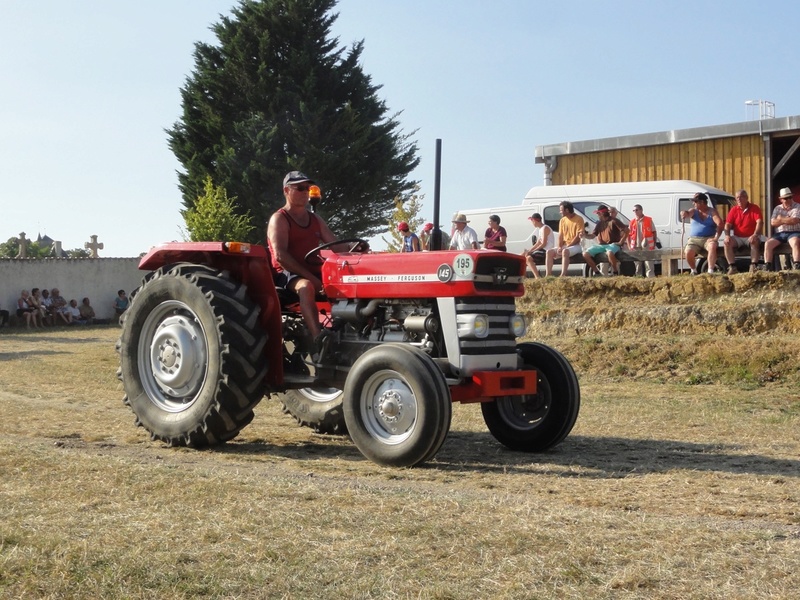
x=683, y=204
x=658, y=208
x=551, y=216
x=721, y=203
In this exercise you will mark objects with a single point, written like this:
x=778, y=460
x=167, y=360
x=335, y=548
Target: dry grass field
x=681, y=478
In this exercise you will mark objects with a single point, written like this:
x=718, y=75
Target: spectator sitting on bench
x=543, y=240
x=86, y=311
x=743, y=227
x=786, y=221
x=610, y=233
x=570, y=230
x=60, y=308
x=47, y=303
x=705, y=230
x=120, y=303
x=25, y=309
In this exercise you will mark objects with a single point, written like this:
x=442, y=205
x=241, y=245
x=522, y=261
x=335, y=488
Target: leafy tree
x=404, y=210
x=277, y=94
x=213, y=217
x=10, y=249
x=78, y=253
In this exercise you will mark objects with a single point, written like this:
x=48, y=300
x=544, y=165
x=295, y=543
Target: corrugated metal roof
x=763, y=126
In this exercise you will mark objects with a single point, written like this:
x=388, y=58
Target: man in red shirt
x=293, y=231
x=743, y=227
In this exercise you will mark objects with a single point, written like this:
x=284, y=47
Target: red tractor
x=208, y=334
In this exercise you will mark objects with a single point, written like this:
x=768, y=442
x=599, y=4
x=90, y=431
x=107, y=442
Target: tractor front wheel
x=536, y=422
x=397, y=405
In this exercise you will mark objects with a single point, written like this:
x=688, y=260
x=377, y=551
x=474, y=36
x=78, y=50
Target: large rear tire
x=397, y=405
x=318, y=408
x=537, y=422
x=191, y=356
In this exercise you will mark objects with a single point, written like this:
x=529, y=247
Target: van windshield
x=719, y=201
x=588, y=208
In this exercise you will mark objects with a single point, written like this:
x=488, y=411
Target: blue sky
x=89, y=86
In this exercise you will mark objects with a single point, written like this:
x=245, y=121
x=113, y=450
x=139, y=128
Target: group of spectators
x=742, y=228
x=462, y=236
x=40, y=308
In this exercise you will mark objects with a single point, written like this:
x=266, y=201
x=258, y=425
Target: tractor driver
x=293, y=231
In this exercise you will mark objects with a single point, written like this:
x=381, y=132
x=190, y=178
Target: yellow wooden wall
x=725, y=163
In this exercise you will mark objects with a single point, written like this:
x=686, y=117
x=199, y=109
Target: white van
x=661, y=200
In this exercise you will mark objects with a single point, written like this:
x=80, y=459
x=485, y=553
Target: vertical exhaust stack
x=437, y=186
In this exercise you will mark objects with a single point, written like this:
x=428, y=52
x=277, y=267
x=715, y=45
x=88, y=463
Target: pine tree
x=277, y=94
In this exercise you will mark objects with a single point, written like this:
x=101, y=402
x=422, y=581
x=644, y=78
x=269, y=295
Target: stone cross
x=93, y=246
x=23, y=246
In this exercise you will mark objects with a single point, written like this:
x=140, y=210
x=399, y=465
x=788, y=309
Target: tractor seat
x=287, y=297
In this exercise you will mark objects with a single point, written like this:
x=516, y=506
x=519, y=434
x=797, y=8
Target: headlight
x=474, y=326
x=517, y=325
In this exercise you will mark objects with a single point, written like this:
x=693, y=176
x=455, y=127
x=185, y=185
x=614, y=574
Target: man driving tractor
x=294, y=231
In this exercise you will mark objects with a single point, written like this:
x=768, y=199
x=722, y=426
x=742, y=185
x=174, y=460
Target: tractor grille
x=499, y=311
x=503, y=273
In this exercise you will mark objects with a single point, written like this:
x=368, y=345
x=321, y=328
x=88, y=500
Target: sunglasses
x=300, y=188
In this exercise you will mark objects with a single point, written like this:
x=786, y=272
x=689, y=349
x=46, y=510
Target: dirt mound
x=737, y=305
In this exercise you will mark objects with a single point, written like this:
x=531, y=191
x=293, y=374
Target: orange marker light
x=238, y=247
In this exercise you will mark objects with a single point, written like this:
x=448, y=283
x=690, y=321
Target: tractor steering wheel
x=357, y=244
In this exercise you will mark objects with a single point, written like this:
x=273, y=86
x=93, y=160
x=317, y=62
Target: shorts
x=538, y=256
x=785, y=236
x=742, y=242
x=574, y=250
x=602, y=249
x=698, y=244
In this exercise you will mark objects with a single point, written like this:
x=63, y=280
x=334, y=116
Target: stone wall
x=97, y=278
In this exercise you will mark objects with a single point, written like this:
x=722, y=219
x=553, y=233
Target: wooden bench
x=670, y=259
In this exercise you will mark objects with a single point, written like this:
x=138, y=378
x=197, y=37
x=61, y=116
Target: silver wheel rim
x=321, y=395
x=388, y=407
x=174, y=352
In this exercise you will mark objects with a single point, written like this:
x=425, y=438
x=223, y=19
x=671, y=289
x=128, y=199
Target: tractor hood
x=423, y=274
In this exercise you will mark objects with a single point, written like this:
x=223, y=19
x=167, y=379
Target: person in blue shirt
x=705, y=229
x=410, y=240
x=120, y=303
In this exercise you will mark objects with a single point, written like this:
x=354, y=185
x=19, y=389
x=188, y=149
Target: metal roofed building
x=760, y=156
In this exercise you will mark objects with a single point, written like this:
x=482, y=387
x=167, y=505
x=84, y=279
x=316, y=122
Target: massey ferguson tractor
x=208, y=335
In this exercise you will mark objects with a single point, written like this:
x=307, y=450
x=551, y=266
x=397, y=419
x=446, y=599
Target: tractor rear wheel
x=538, y=421
x=318, y=408
x=191, y=356
x=397, y=405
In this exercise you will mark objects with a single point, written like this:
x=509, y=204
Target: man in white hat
x=463, y=236
x=786, y=221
